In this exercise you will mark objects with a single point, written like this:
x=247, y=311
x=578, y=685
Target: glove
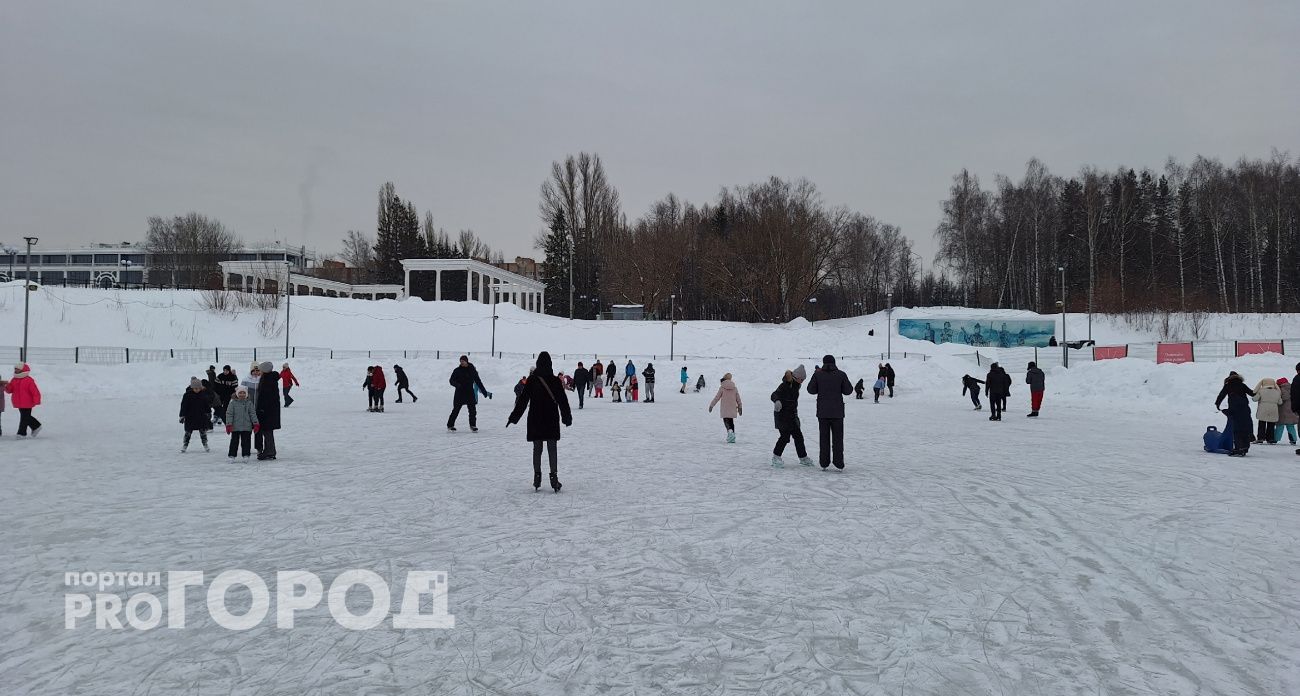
x=489, y=394
x=230, y=429
x=568, y=422
x=740, y=411
x=257, y=427
x=710, y=409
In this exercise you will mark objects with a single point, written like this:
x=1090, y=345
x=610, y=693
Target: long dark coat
x=196, y=409
x=830, y=385
x=268, y=401
x=545, y=411
x=464, y=379
x=788, y=396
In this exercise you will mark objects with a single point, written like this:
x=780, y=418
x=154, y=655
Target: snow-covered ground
x=1095, y=550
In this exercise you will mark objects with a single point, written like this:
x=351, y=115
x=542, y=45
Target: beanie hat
x=242, y=390
x=800, y=373
x=284, y=366
x=465, y=358
x=266, y=366
x=828, y=360
x=1281, y=381
x=195, y=383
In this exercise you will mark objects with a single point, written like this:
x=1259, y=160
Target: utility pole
x=672, y=325
x=889, y=333
x=288, y=302
x=573, y=245
x=27, y=292
x=1065, y=350
x=496, y=292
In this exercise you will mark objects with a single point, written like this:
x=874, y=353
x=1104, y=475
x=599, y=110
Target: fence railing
x=1189, y=351
x=117, y=355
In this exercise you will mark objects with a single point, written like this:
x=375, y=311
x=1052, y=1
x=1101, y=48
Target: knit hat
x=284, y=366
x=241, y=390
x=195, y=383
x=828, y=360
x=266, y=366
x=800, y=373
x=1282, y=381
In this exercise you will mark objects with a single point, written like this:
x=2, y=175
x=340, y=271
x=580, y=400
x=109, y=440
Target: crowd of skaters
x=1276, y=414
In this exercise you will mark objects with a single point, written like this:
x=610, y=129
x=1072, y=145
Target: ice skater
x=878, y=388
x=860, y=388
x=287, y=381
x=581, y=382
x=611, y=373
x=251, y=382
x=1286, y=416
x=1269, y=397
x=24, y=393
x=785, y=403
x=998, y=384
x=241, y=423
x=831, y=385
x=972, y=385
x=700, y=384
x=268, y=413
x=547, y=405
x=1238, y=412
x=616, y=393
x=403, y=384
x=730, y=406
x=463, y=380
x=597, y=377
x=1037, y=385
x=649, y=374
x=196, y=414
x=685, y=380
x=378, y=385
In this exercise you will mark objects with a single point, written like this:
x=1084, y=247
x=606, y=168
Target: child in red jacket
x=287, y=381
x=22, y=390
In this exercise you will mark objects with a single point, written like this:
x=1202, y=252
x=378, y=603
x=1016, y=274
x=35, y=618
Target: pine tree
x=555, y=274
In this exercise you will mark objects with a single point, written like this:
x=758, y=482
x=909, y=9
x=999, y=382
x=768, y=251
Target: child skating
x=878, y=387
x=241, y=423
x=731, y=408
x=196, y=414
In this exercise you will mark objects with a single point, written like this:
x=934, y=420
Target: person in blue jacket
x=685, y=380
x=1238, y=412
x=629, y=372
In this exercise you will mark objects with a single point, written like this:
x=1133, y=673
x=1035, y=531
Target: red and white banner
x=1174, y=352
x=1257, y=347
x=1109, y=352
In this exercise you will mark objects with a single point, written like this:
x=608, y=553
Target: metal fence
x=1204, y=351
x=116, y=355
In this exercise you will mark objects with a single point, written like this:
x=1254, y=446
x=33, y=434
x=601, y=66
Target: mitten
x=568, y=422
x=230, y=429
x=257, y=427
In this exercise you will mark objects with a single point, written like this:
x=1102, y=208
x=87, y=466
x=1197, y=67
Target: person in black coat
x=464, y=378
x=403, y=384
x=581, y=378
x=196, y=413
x=649, y=374
x=548, y=406
x=860, y=388
x=268, y=412
x=972, y=385
x=998, y=383
x=1238, y=412
x=831, y=386
x=225, y=385
x=889, y=379
x=611, y=374
x=786, y=404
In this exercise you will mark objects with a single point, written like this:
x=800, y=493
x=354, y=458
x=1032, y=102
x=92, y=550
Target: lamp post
x=496, y=293
x=812, y=301
x=12, y=252
x=573, y=245
x=1065, y=350
x=889, y=333
x=288, y=302
x=672, y=325
x=126, y=268
x=27, y=292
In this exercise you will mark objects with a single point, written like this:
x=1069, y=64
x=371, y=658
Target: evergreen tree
x=555, y=274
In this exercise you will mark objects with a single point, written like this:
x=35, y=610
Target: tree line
x=1204, y=236
x=767, y=252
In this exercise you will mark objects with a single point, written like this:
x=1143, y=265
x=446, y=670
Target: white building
x=106, y=265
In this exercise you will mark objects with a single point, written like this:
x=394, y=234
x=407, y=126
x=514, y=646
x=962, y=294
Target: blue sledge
x=1218, y=442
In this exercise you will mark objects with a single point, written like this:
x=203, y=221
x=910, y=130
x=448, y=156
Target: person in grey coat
x=831, y=386
x=1037, y=385
x=241, y=423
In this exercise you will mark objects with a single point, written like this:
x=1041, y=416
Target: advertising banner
x=994, y=332
x=1174, y=352
x=1256, y=347
x=1109, y=352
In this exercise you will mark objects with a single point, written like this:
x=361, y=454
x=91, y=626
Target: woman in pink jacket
x=729, y=397
x=22, y=390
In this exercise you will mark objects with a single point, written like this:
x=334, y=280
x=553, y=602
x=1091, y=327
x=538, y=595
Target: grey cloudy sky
x=283, y=118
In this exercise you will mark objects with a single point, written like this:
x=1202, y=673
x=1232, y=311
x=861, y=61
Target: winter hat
x=266, y=366
x=22, y=367
x=800, y=374
x=195, y=383
x=1282, y=381
x=726, y=377
x=1032, y=364
x=242, y=390
x=543, y=363
x=284, y=366
x=828, y=360
x=465, y=358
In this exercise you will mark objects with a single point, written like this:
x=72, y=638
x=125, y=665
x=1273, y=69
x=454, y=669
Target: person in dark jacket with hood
x=464, y=379
x=196, y=414
x=581, y=380
x=649, y=374
x=889, y=379
x=227, y=382
x=611, y=373
x=403, y=384
x=548, y=406
x=268, y=412
x=998, y=383
x=860, y=388
x=1238, y=412
x=972, y=385
x=1037, y=385
x=785, y=402
x=831, y=386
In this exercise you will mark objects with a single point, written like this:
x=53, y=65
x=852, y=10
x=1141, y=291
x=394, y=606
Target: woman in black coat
x=268, y=411
x=544, y=399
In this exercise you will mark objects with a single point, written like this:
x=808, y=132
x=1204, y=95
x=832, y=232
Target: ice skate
x=731, y=437
x=555, y=483
x=777, y=463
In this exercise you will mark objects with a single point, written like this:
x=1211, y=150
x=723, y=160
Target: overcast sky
x=283, y=118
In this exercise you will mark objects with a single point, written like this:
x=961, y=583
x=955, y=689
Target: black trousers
x=551, y=454
x=241, y=440
x=455, y=411
x=26, y=420
x=1265, y=433
x=376, y=398
x=830, y=433
x=995, y=406
x=610, y=378
x=268, y=442
x=403, y=387
x=581, y=393
x=287, y=399
x=730, y=423
x=891, y=390
x=975, y=398
x=792, y=433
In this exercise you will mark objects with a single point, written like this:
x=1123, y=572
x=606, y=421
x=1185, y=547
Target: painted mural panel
x=994, y=333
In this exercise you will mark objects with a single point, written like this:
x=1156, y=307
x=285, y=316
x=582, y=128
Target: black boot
x=555, y=482
x=537, y=479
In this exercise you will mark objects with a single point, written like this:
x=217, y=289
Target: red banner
x=1109, y=352
x=1257, y=347
x=1174, y=352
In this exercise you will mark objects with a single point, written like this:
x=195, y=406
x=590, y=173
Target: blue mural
x=995, y=333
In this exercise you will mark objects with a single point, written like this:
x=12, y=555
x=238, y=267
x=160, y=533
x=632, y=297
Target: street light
x=288, y=302
x=496, y=292
x=12, y=252
x=889, y=334
x=672, y=325
x=812, y=301
x=1065, y=350
x=126, y=267
x=573, y=245
x=27, y=292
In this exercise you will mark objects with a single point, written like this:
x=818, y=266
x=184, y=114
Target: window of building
x=51, y=277
x=132, y=276
x=106, y=258
x=54, y=259
x=78, y=276
x=82, y=259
